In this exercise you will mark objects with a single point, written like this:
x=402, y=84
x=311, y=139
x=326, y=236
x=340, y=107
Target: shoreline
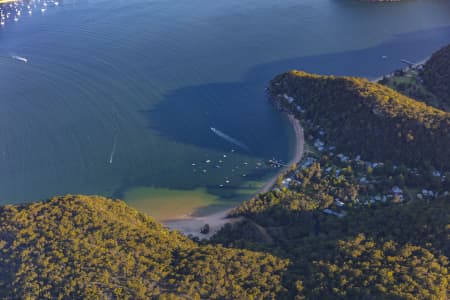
x=190, y=225
x=298, y=153
x=415, y=65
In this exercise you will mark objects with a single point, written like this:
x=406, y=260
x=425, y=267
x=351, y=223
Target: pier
x=407, y=62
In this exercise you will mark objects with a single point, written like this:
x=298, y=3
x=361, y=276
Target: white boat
x=20, y=58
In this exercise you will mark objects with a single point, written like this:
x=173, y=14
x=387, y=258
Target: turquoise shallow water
x=118, y=95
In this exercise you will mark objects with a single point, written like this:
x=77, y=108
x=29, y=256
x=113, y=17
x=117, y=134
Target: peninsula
x=362, y=213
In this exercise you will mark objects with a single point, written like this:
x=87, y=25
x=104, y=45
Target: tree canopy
x=436, y=73
x=369, y=119
x=82, y=247
x=391, y=251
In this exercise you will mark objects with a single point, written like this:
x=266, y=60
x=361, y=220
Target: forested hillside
x=368, y=119
x=353, y=228
x=436, y=74
x=396, y=251
x=80, y=247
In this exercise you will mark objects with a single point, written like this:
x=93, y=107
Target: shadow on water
x=186, y=115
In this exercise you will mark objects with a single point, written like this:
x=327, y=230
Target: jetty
x=276, y=163
x=407, y=62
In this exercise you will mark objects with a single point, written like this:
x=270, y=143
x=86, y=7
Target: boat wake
x=230, y=139
x=113, y=150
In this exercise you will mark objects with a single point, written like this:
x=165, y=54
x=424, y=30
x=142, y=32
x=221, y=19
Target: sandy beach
x=189, y=225
x=299, y=145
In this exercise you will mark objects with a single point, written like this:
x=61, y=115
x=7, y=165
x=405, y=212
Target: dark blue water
x=122, y=94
